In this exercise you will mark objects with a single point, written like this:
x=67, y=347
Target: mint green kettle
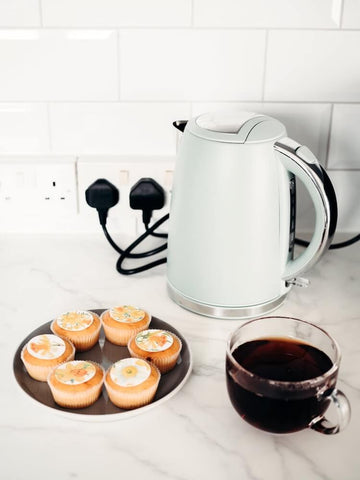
x=232, y=214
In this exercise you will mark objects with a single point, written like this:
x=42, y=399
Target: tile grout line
x=181, y=101
x=40, y=13
x=49, y=128
x=118, y=72
x=176, y=27
x=265, y=65
x=328, y=143
x=77, y=184
x=191, y=109
x=341, y=19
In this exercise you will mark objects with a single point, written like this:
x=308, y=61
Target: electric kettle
x=232, y=214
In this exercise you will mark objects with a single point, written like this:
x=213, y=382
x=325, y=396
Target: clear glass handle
x=343, y=410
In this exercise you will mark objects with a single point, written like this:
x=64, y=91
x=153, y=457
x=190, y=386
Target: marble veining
x=196, y=435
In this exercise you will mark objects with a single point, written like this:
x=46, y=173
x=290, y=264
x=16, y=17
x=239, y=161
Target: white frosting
x=46, y=347
x=154, y=340
x=130, y=372
x=75, y=372
x=75, y=321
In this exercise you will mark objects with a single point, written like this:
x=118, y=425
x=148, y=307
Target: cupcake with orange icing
x=43, y=352
x=132, y=383
x=123, y=322
x=81, y=327
x=76, y=384
x=157, y=346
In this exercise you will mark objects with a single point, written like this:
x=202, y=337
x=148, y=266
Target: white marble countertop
x=196, y=434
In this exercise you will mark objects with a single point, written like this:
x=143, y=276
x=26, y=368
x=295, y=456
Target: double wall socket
x=47, y=193
x=124, y=172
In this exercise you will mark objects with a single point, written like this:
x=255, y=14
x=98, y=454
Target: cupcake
x=132, y=383
x=157, y=346
x=76, y=384
x=81, y=327
x=43, y=352
x=122, y=323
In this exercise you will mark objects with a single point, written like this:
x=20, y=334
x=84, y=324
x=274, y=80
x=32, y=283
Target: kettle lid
x=236, y=126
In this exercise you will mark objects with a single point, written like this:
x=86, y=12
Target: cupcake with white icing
x=123, y=322
x=157, y=346
x=43, y=352
x=132, y=383
x=81, y=327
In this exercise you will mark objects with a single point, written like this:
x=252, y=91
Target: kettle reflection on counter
x=232, y=214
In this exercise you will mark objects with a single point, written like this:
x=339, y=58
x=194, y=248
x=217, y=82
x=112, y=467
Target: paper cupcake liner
x=129, y=400
x=119, y=335
x=81, y=400
x=74, y=399
x=164, y=363
x=41, y=372
x=83, y=342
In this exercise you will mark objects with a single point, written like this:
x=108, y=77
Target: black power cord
x=131, y=255
x=147, y=195
x=126, y=254
x=102, y=195
x=158, y=235
x=333, y=246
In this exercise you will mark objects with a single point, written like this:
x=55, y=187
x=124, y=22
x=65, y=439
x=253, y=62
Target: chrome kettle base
x=227, y=313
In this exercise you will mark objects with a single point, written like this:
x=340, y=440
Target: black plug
x=102, y=195
x=147, y=195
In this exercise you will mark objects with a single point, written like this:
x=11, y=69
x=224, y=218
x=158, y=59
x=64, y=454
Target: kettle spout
x=180, y=124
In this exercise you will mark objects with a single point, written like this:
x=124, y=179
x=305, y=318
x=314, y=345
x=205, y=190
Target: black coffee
x=279, y=359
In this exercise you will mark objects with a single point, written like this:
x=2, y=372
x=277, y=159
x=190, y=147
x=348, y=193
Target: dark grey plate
x=105, y=353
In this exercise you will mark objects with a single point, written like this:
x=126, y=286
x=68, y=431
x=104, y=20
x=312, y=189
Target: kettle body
x=232, y=215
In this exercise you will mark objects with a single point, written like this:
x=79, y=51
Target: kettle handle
x=300, y=161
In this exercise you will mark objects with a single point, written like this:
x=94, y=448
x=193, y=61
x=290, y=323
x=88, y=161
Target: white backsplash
x=108, y=77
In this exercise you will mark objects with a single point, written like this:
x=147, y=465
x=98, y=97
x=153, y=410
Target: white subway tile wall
x=109, y=76
x=24, y=128
x=313, y=66
x=345, y=137
x=108, y=128
x=192, y=64
x=58, y=65
x=20, y=13
x=351, y=14
x=348, y=184
x=267, y=14
x=116, y=13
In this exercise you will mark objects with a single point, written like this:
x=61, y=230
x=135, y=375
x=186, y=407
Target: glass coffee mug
x=281, y=374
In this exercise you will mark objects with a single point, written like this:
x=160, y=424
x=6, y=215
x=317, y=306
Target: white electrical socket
x=57, y=188
x=38, y=186
x=124, y=172
x=46, y=193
